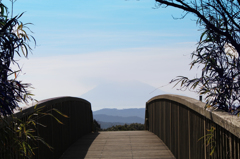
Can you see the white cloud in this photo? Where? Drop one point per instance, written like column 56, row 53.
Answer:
column 73, row 75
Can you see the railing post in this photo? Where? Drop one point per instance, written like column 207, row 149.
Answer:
column 146, row 118
column 205, row 145
column 178, row 137
column 189, row 136
column 170, row 133
column 200, row 98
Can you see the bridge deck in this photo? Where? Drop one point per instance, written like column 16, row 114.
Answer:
column 119, row 145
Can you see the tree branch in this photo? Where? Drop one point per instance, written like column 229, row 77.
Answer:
column 209, row 25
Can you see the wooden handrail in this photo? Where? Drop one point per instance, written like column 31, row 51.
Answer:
column 60, row 136
column 181, row 121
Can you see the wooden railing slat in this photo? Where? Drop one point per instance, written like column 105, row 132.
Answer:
column 181, row 121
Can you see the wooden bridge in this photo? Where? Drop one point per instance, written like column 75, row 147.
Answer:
column 174, row 124
column 119, row 145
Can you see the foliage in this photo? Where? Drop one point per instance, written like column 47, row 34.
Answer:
column 210, row 139
column 219, row 80
column 18, row 137
column 217, row 51
column 220, row 17
column 13, row 40
column 15, row 134
column 126, row 127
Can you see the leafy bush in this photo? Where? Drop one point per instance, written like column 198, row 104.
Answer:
column 126, row 127
column 217, row 51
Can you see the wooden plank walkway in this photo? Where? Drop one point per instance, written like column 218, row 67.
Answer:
column 119, row 145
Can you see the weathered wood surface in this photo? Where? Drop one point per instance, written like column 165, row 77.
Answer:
column 119, row 145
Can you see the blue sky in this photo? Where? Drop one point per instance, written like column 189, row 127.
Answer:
column 81, row 44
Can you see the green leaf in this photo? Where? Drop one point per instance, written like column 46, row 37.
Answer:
column 56, row 110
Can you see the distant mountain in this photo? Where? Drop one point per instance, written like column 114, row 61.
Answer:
column 130, row 94
column 139, row 112
column 108, row 118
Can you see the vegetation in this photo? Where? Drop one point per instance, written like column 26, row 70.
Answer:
column 126, row 127
column 217, row 50
column 18, row 137
column 14, row 40
column 210, row 139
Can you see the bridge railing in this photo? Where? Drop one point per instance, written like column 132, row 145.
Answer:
column 60, row 136
column 181, row 121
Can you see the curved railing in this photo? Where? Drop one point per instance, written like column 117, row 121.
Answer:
column 61, row 136
column 181, row 121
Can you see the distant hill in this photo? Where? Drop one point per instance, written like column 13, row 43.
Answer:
column 108, row 118
column 129, row 94
column 111, row 117
column 139, row 112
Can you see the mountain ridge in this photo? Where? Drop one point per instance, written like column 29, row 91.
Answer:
column 139, row 112
column 128, row 94
column 109, row 118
